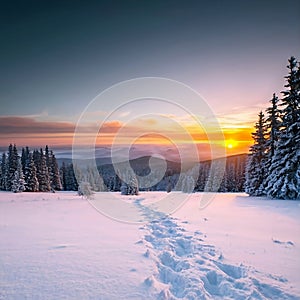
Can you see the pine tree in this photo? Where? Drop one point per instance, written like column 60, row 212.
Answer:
column 84, row 189
column 43, row 174
column 18, row 184
column 169, row 186
column 1, row 176
column 231, row 182
column 54, row 175
column 24, row 157
column 240, row 173
column 47, row 155
column 116, row 183
column 36, row 158
column 214, row 172
column 273, row 126
column 188, row 183
column 283, row 181
column 133, row 185
column 124, row 189
column 12, row 165
column 63, row 172
column 255, row 165
column 70, row 179
column 203, row 176
column 3, row 172
column 130, row 186
column 96, row 182
column 32, row 184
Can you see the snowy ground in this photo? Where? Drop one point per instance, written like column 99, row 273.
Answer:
column 57, row 246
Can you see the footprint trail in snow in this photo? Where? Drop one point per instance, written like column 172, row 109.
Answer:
column 189, row 268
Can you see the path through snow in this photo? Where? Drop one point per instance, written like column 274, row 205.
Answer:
column 189, row 268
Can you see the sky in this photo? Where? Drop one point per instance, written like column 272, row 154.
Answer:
column 57, row 56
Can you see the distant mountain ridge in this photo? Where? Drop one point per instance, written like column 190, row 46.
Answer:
column 232, row 181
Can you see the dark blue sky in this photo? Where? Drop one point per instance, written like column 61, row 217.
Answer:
column 55, row 56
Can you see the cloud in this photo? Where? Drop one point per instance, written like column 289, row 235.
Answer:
column 26, row 125
column 110, row 127
column 241, row 117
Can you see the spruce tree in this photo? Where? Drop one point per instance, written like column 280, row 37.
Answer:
column 36, row 158
column 1, row 177
column 188, row 183
column 63, row 172
column 3, row 172
column 133, row 185
column 95, row 180
column 71, row 181
column 255, row 176
column 124, row 189
column 283, row 181
column 47, row 155
column 273, row 125
column 84, row 189
column 130, row 185
column 231, row 177
column 24, row 157
column 18, row 184
column 43, row 174
column 12, row 166
column 32, row 184
column 54, row 175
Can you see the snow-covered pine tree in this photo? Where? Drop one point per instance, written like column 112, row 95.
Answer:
column 203, row 175
column 3, row 172
column 47, row 156
column 133, row 185
column 273, row 124
column 188, row 183
column 124, row 189
column 130, row 186
column 214, row 179
column 231, row 180
column 116, row 183
column 18, row 184
column 32, row 184
column 255, row 165
column 43, row 174
column 169, row 185
column 54, row 175
column 71, row 181
column 36, row 155
column 283, row 181
column 12, row 165
column 240, row 173
column 84, row 189
column 95, row 180
column 1, row 177
column 24, row 157
column 63, row 172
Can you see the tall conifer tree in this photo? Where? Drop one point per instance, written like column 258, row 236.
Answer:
column 283, row 181
column 255, row 166
column 32, row 184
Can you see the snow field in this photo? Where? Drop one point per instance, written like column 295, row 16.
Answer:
column 57, row 246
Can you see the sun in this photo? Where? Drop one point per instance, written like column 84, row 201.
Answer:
column 230, row 144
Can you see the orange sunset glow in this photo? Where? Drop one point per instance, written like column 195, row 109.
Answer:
column 28, row 131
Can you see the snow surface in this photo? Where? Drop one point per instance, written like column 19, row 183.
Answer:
column 57, row 246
